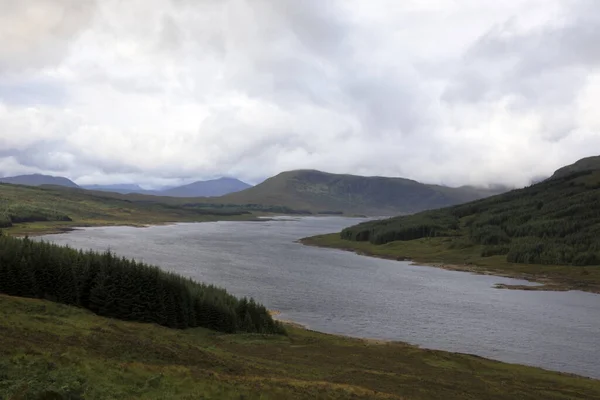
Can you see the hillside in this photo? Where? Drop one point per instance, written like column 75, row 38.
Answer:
column 30, row 209
column 555, row 223
column 318, row 191
column 119, row 188
column 585, row 164
column 39, row 180
column 54, row 351
column 124, row 289
column 210, row 188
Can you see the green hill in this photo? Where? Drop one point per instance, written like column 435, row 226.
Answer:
column 323, row 192
column 555, row 223
column 585, row 164
column 54, row 351
column 30, row 209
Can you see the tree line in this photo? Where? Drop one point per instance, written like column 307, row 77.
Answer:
column 556, row 221
column 125, row 289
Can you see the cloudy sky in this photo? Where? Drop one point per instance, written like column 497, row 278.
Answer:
column 158, row 91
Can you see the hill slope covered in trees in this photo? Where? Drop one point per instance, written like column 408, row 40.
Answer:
column 323, row 192
column 124, row 289
column 554, row 223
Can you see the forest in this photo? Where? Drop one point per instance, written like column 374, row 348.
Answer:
column 124, row 289
column 554, row 222
column 18, row 213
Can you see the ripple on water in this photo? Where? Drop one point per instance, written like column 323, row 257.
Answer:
column 340, row 292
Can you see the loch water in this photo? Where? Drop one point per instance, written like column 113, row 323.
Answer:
column 340, row 292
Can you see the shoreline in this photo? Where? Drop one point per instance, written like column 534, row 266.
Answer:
column 391, row 342
column 56, row 228
column 293, row 324
column 274, row 313
column 116, row 356
column 543, row 283
column 539, row 283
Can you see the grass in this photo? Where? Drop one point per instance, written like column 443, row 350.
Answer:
column 48, row 349
column 87, row 208
column 441, row 252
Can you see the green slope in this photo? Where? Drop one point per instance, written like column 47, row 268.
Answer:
column 548, row 231
column 29, row 209
column 585, row 164
column 318, row 191
column 53, row 351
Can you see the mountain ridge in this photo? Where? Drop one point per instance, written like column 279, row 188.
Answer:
column 39, row 180
column 581, row 185
column 548, row 232
column 207, row 188
column 307, row 190
column 352, row 194
column 582, row 165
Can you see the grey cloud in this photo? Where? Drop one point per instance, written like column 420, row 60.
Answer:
column 387, row 103
column 318, row 25
column 544, row 66
column 37, row 33
column 38, row 156
column 33, row 92
column 160, row 90
column 55, row 156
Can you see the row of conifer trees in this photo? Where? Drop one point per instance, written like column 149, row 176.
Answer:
column 554, row 222
column 124, row 289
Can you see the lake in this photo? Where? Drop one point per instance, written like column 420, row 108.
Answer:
column 340, row 292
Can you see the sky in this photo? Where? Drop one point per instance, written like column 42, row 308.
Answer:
column 160, row 92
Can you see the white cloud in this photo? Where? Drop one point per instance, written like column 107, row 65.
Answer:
column 455, row 92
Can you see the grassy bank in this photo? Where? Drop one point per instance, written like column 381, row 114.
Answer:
column 440, row 253
column 48, row 347
column 40, row 210
column 50, row 227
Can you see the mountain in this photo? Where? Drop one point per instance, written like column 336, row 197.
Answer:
column 554, row 222
column 210, row 188
column 325, row 192
column 585, row 164
column 38, row 180
column 125, row 188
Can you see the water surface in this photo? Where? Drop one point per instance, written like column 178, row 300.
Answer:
column 340, row 292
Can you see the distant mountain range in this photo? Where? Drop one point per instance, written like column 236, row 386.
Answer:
column 323, row 192
column 38, row 180
column 119, row 188
column 209, row 188
column 302, row 190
